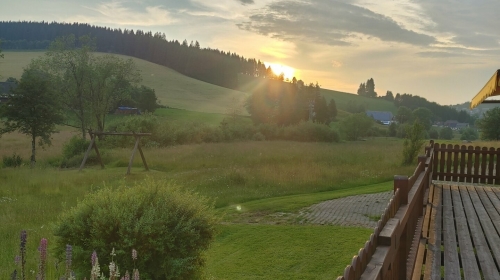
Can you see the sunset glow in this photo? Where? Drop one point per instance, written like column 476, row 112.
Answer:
column 288, row 71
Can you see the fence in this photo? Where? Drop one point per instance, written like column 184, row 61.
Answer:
column 390, row 251
column 466, row 164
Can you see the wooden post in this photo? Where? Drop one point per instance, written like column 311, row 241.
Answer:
column 401, row 183
column 97, row 151
column 92, row 141
column 133, row 154
column 142, row 155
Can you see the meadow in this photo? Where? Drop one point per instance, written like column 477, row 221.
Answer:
column 243, row 179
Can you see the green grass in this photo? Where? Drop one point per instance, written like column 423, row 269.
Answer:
column 191, row 116
column 283, row 252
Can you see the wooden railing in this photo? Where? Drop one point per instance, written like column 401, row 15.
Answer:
column 388, row 253
column 466, row 164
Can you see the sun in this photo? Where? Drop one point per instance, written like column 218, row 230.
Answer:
column 278, row 68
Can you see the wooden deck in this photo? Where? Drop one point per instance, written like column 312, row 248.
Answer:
column 460, row 234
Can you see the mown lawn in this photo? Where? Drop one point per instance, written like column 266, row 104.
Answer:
column 283, row 252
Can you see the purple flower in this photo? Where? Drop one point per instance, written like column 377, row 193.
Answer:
column 134, row 254
column 69, row 252
column 17, row 260
column 136, row 275
column 43, row 258
column 22, row 249
column 93, row 258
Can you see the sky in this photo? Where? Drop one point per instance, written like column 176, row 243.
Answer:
column 442, row 50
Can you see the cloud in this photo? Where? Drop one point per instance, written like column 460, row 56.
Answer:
column 116, row 13
column 246, row 2
column 471, row 24
column 336, row 64
column 334, row 23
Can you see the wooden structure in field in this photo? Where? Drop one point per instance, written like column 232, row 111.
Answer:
column 442, row 222
column 137, row 146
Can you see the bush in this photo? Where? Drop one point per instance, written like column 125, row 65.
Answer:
column 169, row 227
column 469, row 134
column 446, row 133
column 13, row 161
column 76, row 146
column 433, row 133
column 413, row 142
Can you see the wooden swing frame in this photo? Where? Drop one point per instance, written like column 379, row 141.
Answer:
column 137, row 146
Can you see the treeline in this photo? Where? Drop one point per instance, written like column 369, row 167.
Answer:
column 210, row 65
column 412, row 102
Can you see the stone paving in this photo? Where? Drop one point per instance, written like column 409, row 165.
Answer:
column 360, row 210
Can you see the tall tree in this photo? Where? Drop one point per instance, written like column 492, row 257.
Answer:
column 362, row 89
column 423, row 115
column 109, row 83
column 488, row 125
column 332, row 109
column 33, row 108
column 404, row 115
column 389, row 96
column 370, row 88
column 70, row 67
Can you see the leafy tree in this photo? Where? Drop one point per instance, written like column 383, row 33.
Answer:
column 424, row 116
column 414, row 140
column 404, row 115
column 362, row 89
column 446, row 133
column 389, row 96
column 469, row 134
column 33, row 109
column 70, row 67
column 370, row 88
column 321, row 109
column 90, row 85
column 356, row 126
column 392, row 131
column 144, row 98
column 332, row 109
column 433, row 133
column 488, row 125
column 110, row 81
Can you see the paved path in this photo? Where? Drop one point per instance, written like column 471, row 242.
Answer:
column 360, row 210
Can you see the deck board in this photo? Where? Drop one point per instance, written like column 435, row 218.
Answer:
column 469, row 262
column 468, row 219
column 451, row 263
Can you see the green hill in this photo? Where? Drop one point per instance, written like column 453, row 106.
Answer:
column 173, row 89
column 342, row 99
column 179, row 91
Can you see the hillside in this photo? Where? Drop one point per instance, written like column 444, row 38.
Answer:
column 172, row 88
column 342, row 99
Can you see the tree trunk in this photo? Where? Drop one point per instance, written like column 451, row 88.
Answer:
column 33, row 146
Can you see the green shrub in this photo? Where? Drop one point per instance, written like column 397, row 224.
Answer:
column 13, row 161
column 446, row 133
column 310, row 132
column 76, row 146
column 170, row 229
column 433, row 133
column 413, row 142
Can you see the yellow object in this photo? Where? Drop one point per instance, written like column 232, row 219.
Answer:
column 491, row 88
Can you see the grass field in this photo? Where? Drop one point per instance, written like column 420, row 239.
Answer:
column 173, row 89
column 260, row 177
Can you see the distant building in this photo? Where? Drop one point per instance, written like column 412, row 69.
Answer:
column 382, row 116
column 127, row 111
column 5, row 87
column 455, row 125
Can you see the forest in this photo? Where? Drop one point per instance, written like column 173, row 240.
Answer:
column 209, row 65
